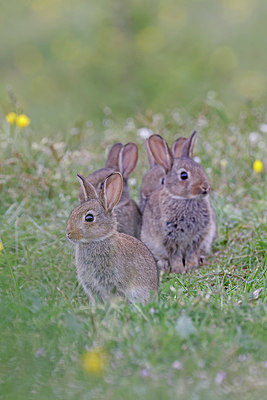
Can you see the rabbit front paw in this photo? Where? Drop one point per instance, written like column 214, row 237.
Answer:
column 163, row 266
column 177, row 267
column 202, row 259
column 191, row 262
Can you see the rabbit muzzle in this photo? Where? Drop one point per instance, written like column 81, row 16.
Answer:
column 200, row 189
column 205, row 188
column 73, row 234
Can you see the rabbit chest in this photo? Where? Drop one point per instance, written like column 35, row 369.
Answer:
column 96, row 268
column 185, row 221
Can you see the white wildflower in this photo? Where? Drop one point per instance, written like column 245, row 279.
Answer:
column 263, row 128
column 253, row 137
column 132, row 182
column 197, row 159
column 184, row 326
column 144, row 133
column 177, row 365
column 220, row 377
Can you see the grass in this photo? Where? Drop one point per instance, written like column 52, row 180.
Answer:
column 206, row 336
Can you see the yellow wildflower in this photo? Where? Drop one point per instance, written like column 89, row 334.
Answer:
column 23, row 121
column 94, row 361
column 258, row 166
column 11, row 117
column 223, row 162
column 1, row 247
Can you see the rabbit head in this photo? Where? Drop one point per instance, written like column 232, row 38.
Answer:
column 122, row 158
column 94, row 219
column 155, row 177
column 184, row 178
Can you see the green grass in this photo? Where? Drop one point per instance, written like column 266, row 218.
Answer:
column 204, row 339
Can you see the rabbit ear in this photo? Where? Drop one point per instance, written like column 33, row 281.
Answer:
column 113, row 156
column 160, row 151
column 128, row 159
column 111, row 191
column 88, row 191
column 177, row 147
column 150, row 157
column 187, row 149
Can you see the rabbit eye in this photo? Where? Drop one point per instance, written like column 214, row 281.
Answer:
column 89, row 218
column 101, row 185
column 184, row 175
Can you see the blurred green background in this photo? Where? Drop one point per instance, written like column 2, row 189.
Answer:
column 89, row 74
column 67, row 61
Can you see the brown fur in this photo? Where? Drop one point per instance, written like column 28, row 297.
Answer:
column 121, row 158
column 179, row 223
column 154, row 178
column 109, row 262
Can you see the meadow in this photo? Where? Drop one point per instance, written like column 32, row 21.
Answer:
column 87, row 77
column 204, row 338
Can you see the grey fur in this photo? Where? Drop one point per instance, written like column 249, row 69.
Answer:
column 128, row 214
column 110, row 263
column 154, row 178
column 179, row 224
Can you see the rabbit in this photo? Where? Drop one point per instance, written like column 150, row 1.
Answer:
column 121, row 158
column 154, row 178
column 179, row 224
column 107, row 261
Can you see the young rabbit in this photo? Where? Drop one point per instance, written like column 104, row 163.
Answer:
column 154, row 178
column 179, row 224
column 121, row 158
column 109, row 262
column 151, row 180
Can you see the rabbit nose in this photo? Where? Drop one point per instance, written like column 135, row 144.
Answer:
column 205, row 187
column 68, row 233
